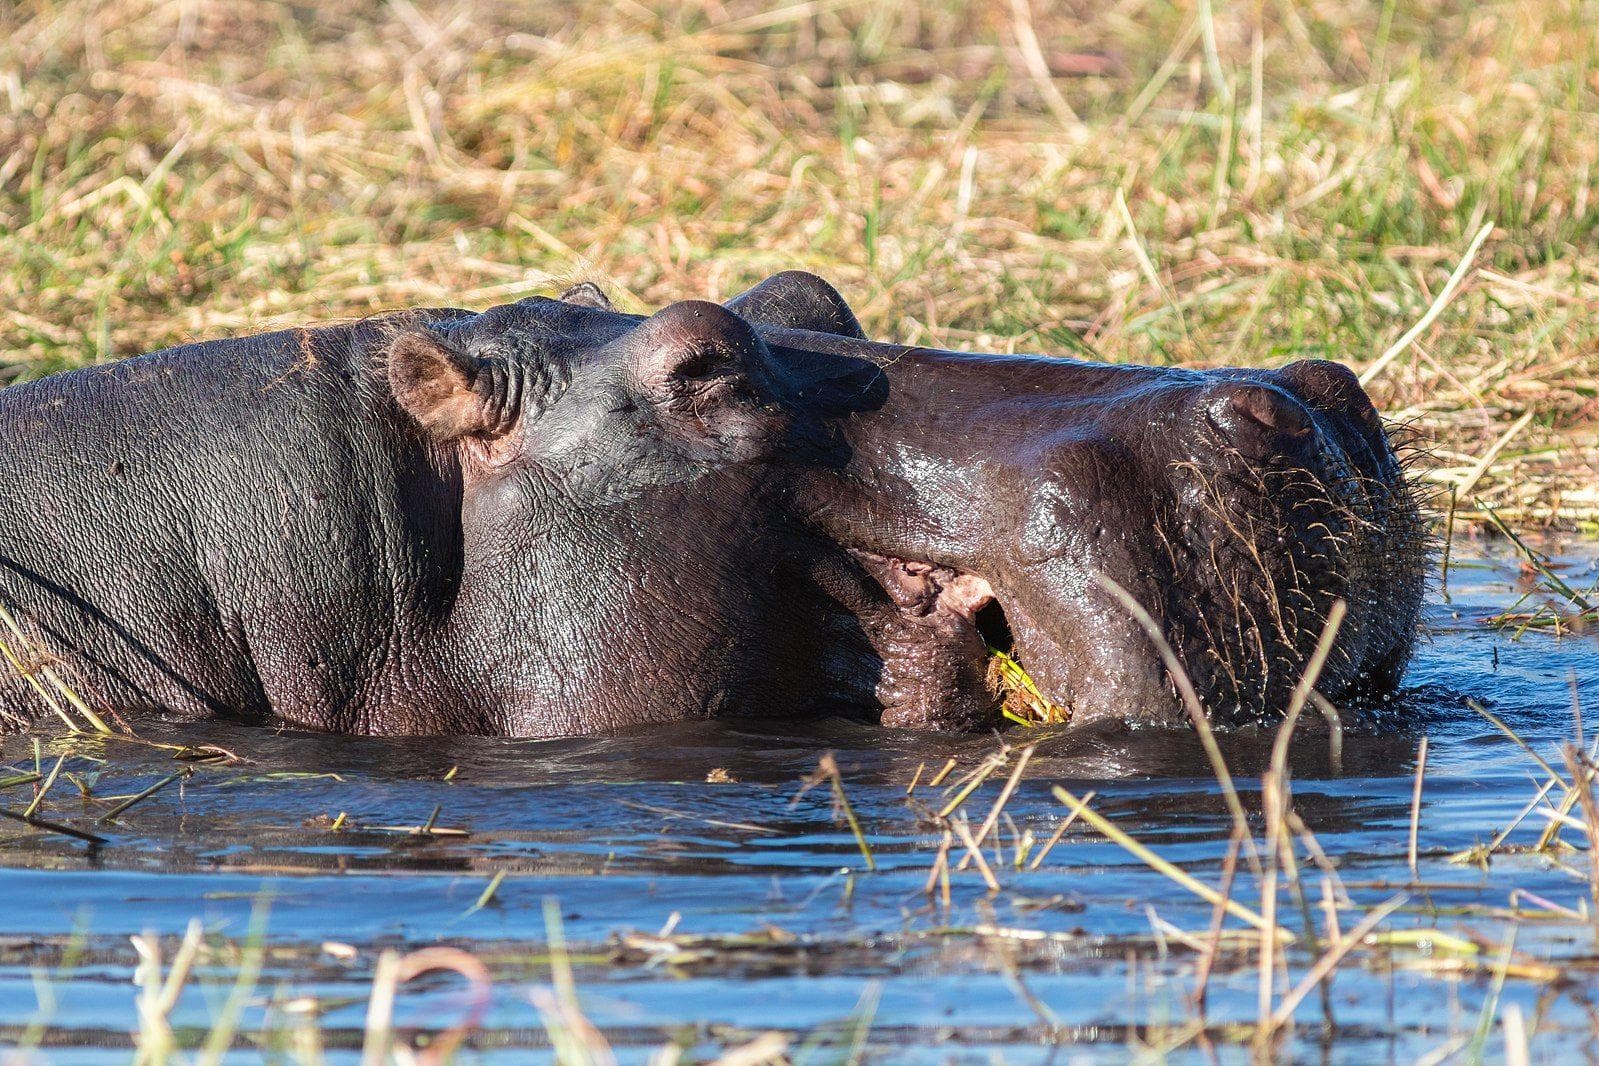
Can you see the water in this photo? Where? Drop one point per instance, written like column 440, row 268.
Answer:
column 774, row 922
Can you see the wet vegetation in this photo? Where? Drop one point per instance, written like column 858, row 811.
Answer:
column 1407, row 187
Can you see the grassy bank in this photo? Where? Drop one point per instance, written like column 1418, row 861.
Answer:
column 1228, row 183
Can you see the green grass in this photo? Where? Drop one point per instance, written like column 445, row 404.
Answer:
column 1302, row 181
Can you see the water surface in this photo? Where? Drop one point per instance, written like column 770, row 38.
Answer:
column 772, row 920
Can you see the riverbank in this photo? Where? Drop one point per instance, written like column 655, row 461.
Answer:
column 1221, row 184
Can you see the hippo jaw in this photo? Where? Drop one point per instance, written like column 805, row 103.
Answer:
column 1235, row 510
column 1241, row 616
column 990, row 494
column 937, row 651
column 930, row 639
column 936, row 644
column 945, row 624
column 1238, row 560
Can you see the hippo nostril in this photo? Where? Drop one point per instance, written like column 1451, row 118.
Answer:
column 1271, row 409
column 1330, row 386
column 1260, row 420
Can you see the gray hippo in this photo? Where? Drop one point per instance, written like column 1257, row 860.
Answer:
column 991, row 495
column 550, row 518
column 542, row 519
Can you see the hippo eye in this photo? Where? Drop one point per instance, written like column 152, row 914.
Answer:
column 703, row 363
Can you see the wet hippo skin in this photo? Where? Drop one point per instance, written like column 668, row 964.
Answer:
column 551, row 518
column 542, row 519
column 997, row 493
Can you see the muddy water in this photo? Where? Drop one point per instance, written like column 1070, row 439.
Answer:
column 775, row 922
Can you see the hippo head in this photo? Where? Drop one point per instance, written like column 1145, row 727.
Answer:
column 623, row 488
column 613, row 404
column 1018, row 501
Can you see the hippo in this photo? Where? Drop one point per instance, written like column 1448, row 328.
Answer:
column 1017, row 502
column 538, row 520
column 552, row 518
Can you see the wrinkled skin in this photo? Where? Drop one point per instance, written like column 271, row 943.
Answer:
column 550, row 518
column 993, row 496
column 543, row 519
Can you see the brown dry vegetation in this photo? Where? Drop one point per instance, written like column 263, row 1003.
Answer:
column 1300, row 180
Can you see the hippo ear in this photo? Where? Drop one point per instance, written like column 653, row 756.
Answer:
column 796, row 299
column 588, row 294
column 444, row 389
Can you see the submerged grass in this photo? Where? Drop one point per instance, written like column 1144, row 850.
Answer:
column 31, row 661
column 827, row 772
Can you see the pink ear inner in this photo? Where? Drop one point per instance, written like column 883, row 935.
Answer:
column 436, row 385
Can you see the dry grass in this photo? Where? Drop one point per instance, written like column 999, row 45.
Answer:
column 1273, row 182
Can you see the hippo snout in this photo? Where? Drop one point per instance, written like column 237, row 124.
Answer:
column 1236, row 506
column 1331, row 388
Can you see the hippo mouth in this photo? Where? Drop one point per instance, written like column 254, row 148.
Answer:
column 947, row 648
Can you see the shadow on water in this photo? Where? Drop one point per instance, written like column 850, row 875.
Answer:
column 703, row 828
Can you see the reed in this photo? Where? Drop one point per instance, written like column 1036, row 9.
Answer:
column 1165, row 183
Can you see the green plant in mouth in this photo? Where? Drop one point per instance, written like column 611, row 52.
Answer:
column 1023, row 702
